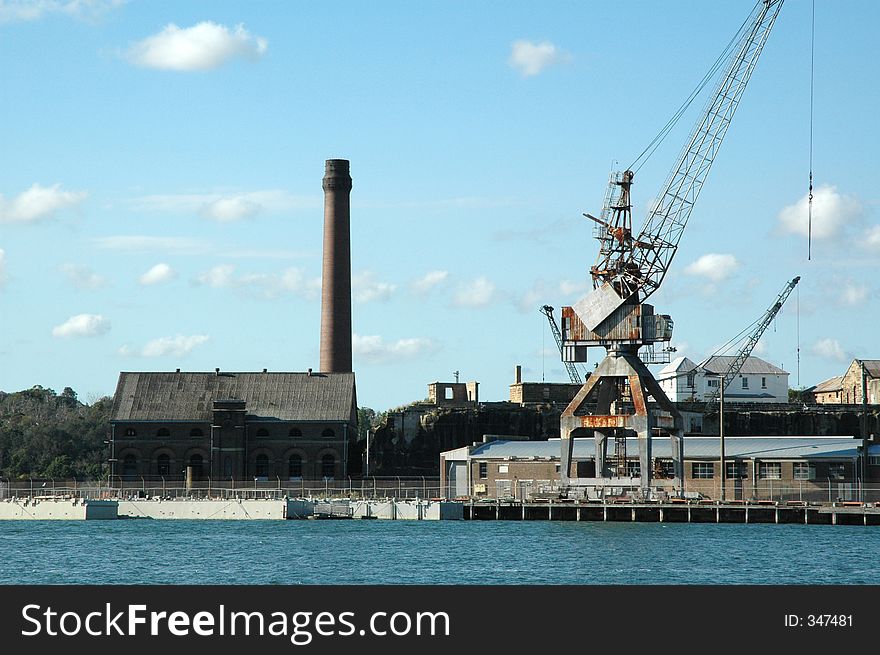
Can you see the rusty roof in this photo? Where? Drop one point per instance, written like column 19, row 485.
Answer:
column 271, row 396
column 831, row 384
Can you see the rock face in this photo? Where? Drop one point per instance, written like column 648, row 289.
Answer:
column 790, row 419
column 409, row 441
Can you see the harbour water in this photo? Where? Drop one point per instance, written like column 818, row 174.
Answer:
column 436, row 552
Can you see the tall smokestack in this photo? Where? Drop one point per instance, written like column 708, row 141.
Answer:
column 336, row 277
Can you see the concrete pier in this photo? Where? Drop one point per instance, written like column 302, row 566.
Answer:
column 673, row 512
column 57, row 509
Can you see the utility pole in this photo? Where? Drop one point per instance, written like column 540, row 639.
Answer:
column 721, row 435
column 864, row 467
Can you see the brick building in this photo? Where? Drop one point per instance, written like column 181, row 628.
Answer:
column 238, row 426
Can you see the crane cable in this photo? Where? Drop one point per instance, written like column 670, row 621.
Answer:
column 810, row 202
column 673, row 121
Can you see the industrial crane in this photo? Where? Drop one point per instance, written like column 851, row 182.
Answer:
column 573, row 374
column 757, row 330
column 629, row 269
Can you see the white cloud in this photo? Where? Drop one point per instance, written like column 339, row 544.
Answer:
column 159, row 273
column 268, row 285
column 37, row 203
column 227, row 205
column 83, row 277
column 479, row 293
column 713, row 266
column 3, row 277
column 542, row 293
column 833, row 213
column 872, row 237
column 429, row 280
column 179, row 245
column 27, row 10
column 853, row 294
column 530, row 58
column 203, row 46
column 365, row 288
column 373, row 348
column 829, row 349
column 178, row 346
column 218, row 277
column 82, row 325
column 229, row 209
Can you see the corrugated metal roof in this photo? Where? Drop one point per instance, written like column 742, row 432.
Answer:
column 694, row 448
column 872, row 366
column 752, row 366
column 190, row 396
column 831, row 384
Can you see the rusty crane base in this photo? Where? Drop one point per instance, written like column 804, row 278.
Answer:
column 621, row 370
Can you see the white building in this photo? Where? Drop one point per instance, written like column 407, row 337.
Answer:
column 758, row 381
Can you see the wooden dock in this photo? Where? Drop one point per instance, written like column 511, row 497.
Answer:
column 701, row 512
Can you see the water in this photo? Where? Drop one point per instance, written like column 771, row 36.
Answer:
column 428, row 552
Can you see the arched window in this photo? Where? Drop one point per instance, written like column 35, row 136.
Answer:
column 262, row 432
column 196, row 432
column 130, row 432
column 328, row 433
column 197, row 462
column 295, row 467
column 163, row 464
column 129, row 465
column 163, row 432
column 261, row 468
column 295, row 432
column 328, row 466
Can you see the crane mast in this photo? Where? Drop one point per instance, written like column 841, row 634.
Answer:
column 573, row 373
column 752, row 339
column 613, row 402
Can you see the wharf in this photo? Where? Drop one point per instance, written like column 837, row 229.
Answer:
column 702, row 512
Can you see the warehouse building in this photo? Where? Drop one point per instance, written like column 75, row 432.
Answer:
column 500, row 468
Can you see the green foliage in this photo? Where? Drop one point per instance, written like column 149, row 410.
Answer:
column 46, row 435
column 366, row 419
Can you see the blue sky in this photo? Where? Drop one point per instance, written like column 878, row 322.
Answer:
column 161, row 183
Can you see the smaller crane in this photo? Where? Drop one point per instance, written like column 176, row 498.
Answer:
column 751, row 340
column 573, row 374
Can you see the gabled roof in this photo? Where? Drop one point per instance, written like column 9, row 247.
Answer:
column 831, row 384
column 678, row 365
column 752, row 366
column 273, row 396
column 872, row 366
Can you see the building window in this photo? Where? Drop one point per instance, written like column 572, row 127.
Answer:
column 163, row 465
column 634, row 469
column 295, row 432
column 197, row 463
column 737, row 470
column 130, row 432
column 129, row 465
column 712, row 382
column 690, row 380
column 163, row 432
column 804, row 471
column 770, row 470
column 874, row 460
column 295, row 467
column 261, row 468
column 745, row 382
column 484, row 470
column 763, row 383
column 703, row 470
column 262, row 432
column 196, row 432
column 502, row 468
column 328, row 433
column 328, row 466
column 664, row 469
column 837, row 471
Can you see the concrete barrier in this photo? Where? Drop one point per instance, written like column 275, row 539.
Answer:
column 57, row 509
column 226, row 510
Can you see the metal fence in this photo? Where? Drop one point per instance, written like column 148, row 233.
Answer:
column 177, row 487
